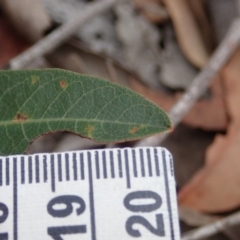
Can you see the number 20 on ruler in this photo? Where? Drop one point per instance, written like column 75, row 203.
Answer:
column 98, row 195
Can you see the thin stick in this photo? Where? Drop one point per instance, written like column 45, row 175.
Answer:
column 213, row 228
column 61, row 34
column 201, row 82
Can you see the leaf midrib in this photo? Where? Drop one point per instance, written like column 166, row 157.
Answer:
column 15, row 122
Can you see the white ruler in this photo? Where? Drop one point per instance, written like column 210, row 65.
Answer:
column 110, row 194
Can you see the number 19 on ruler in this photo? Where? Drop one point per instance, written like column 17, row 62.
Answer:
column 110, row 194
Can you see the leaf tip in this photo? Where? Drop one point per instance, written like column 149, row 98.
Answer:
column 171, row 128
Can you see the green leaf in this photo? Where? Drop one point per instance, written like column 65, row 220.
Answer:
column 35, row 102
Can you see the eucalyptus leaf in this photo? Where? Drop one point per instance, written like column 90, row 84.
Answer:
column 36, row 102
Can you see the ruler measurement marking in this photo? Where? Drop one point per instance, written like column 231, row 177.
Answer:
column 97, row 165
column 1, row 180
column 171, row 164
column 67, row 166
column 7, row 172
column 120, row 164
column 112, row 165
column 22, row 170
column 142, row 163
column 149, row 162
column 15, row 200
column 45, row 175
column 37, row 168
column 53, row 187
column 104, row 164
column 59, row 157
column 74, row 166
column 82, row 166
column 168, row 195
column 134, row 163
column 30, row 169
column 156, row 162
column 91, row 197
column 127, row 169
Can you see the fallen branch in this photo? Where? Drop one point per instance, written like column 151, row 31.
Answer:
column 61, row 34
column 201, row 82
column 213, row 228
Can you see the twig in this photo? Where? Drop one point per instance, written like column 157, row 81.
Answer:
column 201, row 82
column 212, row 228
column 57, row 37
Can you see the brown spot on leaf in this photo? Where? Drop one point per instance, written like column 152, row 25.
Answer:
column 134, row 130
column 35, row 79
column 20, row 117
column 89, row 129
column 63, row 84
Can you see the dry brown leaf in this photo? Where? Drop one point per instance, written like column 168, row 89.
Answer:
column 199, row 11
column 206, row 114
column 194, row 218
column 73, row 56
column 209, row 114
column 152, row 10
column 11, row 43
column 28, row 17
column 187, row 31
column 216, row 187
column 143, row 3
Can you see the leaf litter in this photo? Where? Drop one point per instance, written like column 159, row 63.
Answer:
column 216, row 187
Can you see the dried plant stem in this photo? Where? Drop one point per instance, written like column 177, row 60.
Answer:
column 213, row 228
column 61, row 34
column 201, row 82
